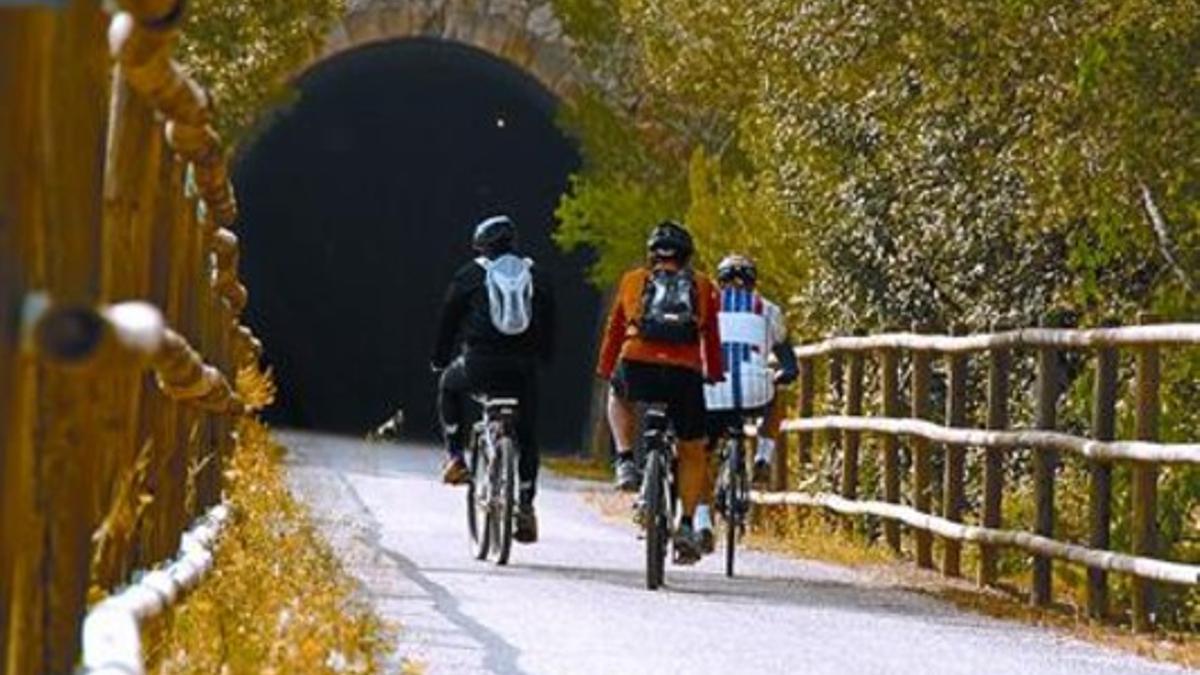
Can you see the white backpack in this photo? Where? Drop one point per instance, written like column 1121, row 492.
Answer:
column 510, row 292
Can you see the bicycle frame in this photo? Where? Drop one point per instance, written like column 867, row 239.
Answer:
column 499, row 421
column 735, row 435
column 658, row 440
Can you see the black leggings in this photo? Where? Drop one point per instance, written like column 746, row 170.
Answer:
column 495, row 376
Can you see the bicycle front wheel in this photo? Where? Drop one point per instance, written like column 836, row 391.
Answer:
column 506, row 497
column 656, row 519
column 479, row 515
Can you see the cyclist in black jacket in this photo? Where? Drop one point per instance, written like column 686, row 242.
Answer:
column 497, row 322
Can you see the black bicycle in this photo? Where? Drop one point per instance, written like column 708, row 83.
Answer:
column 659, row 494
column 732, row 499
column 491, row 492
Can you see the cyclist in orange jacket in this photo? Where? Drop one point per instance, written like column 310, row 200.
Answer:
column 661, row 345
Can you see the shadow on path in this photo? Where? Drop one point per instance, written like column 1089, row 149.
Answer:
column 499, row 656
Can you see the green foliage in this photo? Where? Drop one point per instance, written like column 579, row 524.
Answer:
column 620, row 194
column 928, row 162
column 244, row 52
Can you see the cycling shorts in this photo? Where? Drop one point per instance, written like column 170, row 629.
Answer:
column 680, row 388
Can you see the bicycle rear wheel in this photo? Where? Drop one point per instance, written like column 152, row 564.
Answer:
column 734, row 466
column 657, row 525
column 506, row 497
column 479, row 517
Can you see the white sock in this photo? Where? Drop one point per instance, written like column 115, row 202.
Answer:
column 766, row 450
column 702, row 519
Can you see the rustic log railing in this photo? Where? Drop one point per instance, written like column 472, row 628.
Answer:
column 945, row 520
column 120, row 340
column 133, row 335
column 112, row 643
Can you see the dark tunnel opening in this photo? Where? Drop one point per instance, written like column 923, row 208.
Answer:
column 358, row 201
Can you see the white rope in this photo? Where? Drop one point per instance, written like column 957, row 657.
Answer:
column 111, row 638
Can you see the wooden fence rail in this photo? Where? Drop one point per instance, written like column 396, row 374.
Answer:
column 132, row 335
column 958, row 444
column 1149, row 568
column 1160, row 335
column 1134, row 451
column 120, row 340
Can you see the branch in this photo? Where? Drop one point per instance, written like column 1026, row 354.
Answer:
column 1165, row 245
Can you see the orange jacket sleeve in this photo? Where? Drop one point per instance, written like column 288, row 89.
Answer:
column 614, row 335
column 710, row 336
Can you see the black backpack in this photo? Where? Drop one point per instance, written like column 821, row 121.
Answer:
column 669, row 307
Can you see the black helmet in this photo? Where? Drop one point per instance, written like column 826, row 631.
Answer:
column 736, row 266
column 670, row 240
column 494, row 235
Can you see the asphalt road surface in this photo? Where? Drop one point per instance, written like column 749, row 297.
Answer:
column 576, row 603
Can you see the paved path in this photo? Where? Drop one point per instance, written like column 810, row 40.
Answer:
column 575, row 602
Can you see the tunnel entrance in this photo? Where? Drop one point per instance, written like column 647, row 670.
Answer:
column 358, row 200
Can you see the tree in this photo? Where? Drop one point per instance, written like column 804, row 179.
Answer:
column 244, row 53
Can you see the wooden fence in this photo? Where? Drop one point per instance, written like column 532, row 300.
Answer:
column 846, row 359
column 117, row 272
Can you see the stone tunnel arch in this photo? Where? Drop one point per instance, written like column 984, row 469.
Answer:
column 525, row 34
column 512, row 41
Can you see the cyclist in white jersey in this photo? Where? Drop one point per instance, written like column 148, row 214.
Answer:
column 752, row 328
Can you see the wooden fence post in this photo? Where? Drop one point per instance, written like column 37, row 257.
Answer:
column 781, row 470
column 1145, row 479
column 191, row 326
column 851, row 439
column 993, row 458
column 161, row 413
column 134, row 153
column 955, row 465
column 72, row 125
column 136, row 208
column 202, row 317
column 780, row 478
column 1045, row 463
column 804, row 439
column 131, row 182
column 172, row 259
column 890, row 391
column 24, row 65
column 834, row 400
column 1104, row 418
column 922, row 462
